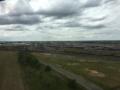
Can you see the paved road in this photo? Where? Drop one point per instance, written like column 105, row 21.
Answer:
column 79, row 79
column 11, row 72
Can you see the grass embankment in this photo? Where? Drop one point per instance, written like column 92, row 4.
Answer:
column 37, row 76
column 104, row 73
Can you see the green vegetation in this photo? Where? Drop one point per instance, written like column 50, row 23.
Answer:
column 37, row 76
column 48, row 69
column 94, row 68
column 73, row 84
column 26, row 59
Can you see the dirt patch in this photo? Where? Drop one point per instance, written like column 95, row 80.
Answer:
column 95, row 73
column 47, row 54
column 72, row 64
column 11, row 76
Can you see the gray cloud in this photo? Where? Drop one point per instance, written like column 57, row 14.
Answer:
column 21, row 13
column 72, row 24
column 98, row 19
column 22, row 7
column 79, row 19
column 22, row 19
column 78, row 25
column 94, row 27
column 108, row 1
column 63, row 8
column 92, row 3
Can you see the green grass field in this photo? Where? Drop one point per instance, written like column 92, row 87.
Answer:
column 29, row 74
column 101, row 70
column 40, row 77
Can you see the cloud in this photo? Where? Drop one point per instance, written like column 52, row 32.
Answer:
column 76, row 24
column 62, row 8
column 23, row 13
column 92, row 3
column 94, row 27
column 21, row 7
column 20, row 13
column 22, row 19
column 54, row 19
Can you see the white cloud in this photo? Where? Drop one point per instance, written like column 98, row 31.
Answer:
column 59, row 19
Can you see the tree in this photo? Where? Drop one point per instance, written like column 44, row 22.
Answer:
column 48, row 68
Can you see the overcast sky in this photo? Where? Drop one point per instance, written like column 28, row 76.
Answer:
column 51, row 20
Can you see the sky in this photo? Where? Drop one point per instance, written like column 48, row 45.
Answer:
column 59, row 20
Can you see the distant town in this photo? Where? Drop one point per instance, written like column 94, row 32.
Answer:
column 77, row 47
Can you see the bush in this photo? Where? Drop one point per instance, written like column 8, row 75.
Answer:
column 25, row 58
column 48, row 69
column 72, row 84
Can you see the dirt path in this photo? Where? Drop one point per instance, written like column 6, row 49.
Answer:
column 11, row 72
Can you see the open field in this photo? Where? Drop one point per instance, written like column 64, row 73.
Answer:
column 91, row 64
column 98, row 69
column 10, row 73
column 38, row 76
column 18, row 76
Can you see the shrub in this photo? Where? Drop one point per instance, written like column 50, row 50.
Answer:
column 72, row 84
column 48, row 68
column 25, row 58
